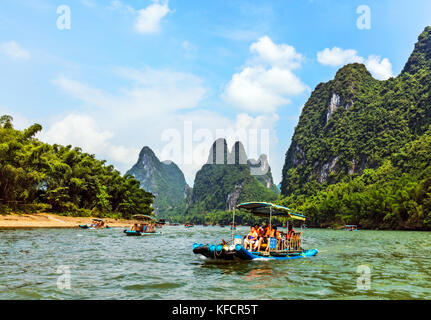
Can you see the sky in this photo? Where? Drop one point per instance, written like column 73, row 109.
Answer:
column 114, row 76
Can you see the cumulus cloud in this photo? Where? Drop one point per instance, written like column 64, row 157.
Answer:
column 267, row 81
column 14, row 51
column 83, row 131
column 338, row 57
column 148, row 20
column 154, row 109
column 150, row 92
column 281, row 55
column 381, row 69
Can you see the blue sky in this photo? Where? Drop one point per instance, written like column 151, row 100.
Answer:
column 134, row 73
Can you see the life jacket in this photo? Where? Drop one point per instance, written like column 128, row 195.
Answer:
column 254, row 235
column 260, row 232
column 290, row 233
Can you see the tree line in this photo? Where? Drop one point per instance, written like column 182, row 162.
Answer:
column 36, row 176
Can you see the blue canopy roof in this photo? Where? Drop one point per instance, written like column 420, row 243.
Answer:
column 265, row 209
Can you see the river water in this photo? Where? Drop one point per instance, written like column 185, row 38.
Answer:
column 106, row 264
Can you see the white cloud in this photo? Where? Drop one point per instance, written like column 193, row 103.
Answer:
column 381, row 70
column 14, row 50
column 115, row 125
column 148, row 20
column 83, row 131
column 267, row 81
column 336, row 57
column 150, row 92
column 281, row 55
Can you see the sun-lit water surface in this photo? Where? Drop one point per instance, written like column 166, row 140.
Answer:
column 106, row 264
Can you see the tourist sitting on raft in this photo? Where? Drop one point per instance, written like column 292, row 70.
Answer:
column 251, row 240
column 290, row 232
column 259, row 236
column 97, row 224
column 143, row 227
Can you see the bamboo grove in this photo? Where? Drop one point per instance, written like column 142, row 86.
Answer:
column 36, row 176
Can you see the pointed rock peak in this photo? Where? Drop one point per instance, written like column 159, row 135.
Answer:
column 352, row 72
column 238, row 154
column 218, row 153
column 146, row 151
column 421, row 55
column 260, row 166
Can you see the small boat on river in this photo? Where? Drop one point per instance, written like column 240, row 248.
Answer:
column 145, row 226
column 95, row 224
column 189, row 225
column 288, row 246
column 350, row 227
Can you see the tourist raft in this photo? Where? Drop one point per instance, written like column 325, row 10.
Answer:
column 281, row 249
column 95, row 224
column 146, row 226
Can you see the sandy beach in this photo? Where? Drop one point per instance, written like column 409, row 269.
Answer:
column 45, row 220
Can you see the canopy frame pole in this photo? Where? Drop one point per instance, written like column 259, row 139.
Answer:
column 287, row 233
column 233, row 223
column 270, row 219
column 302, row 233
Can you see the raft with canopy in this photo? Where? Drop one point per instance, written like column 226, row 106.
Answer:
column 276, row 249
column 146, row 226
column 350, row 227
column 94, row 223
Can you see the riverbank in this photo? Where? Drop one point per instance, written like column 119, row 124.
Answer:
column 47, row 220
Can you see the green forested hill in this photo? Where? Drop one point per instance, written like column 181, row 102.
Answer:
column 36, row 176
column 223, row 183
column 361, row 153
column 164, row 179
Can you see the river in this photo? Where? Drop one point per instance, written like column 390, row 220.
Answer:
column 106, row 264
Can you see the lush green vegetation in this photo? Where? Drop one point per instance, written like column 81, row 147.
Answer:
column 366, row 162
column 397, row 195
column 218, row 185
column 36, row 176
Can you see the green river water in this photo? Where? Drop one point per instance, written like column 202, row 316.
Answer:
column 106, row 264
